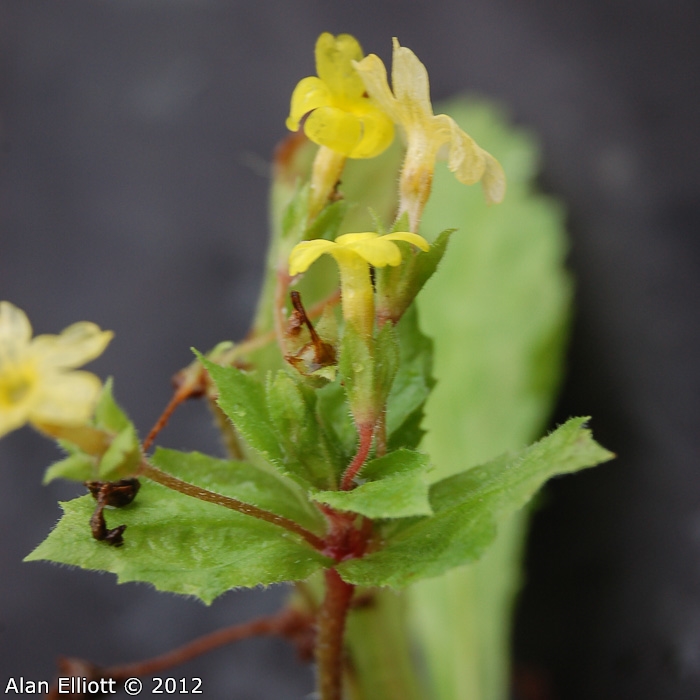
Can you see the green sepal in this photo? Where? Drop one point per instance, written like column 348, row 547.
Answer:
column 244, row 481
column 180, row 544
column 107, row 449
column 412, row 384
column 327, row 223
column 295, row 215
column 367, row 367
column 356, row 370
column 108, row 414
column 394, row 487
column 386, row 362
column 336, row 421
column 398, row 286
column 77, row 466
column 291, row 408
column 468, row 508
column 122, row 457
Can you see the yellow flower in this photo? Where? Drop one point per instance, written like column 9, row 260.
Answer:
column 36, row 381
column 427, row 134
column 340, row 115
column 354, row 253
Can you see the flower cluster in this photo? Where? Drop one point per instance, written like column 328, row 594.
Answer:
column 349, row 109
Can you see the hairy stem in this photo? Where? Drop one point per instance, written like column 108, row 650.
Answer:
column 331, row 628
column 285, row 624
column 366, row 431
column 171, row 482
column 289, row 623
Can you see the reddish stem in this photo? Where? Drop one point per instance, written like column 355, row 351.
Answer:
column 290, row 624
column 287, row 623
column 176, row 484
column 180, row 396
column 331, row 629
column 366, row 431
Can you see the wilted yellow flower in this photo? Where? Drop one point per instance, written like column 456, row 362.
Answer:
column 427, row 134
column 354, row 253
column 340, row 115
column 38, row 383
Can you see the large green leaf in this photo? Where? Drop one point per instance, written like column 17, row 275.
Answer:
column 468, row 508
column 181, row 544
column 497, row 310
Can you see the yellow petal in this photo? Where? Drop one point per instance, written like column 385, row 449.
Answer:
column 65, row 398
column 334, row 128
column 15, row 331
column 75, row 346
column 378, row 251
column 409, row 79
column 350, row 238
column 306, row 253
column 309, row 94
column 465, row 159
column 334, row 57
column 493, row 181
column 373, row 73
column 13, row 418
column 377, row 134
column 18, row 382
column 409, row 237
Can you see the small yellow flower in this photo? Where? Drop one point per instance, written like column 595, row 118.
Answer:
column 340, row 115
column 36, row 381
column 354, row 253
column 427, row 134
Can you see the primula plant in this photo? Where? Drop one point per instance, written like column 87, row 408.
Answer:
column 393, row 503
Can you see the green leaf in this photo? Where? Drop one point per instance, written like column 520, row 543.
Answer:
column 412, row 384
column 292, row 412
column 468, row 508
column 180, row 544
column 246, row 482
column 395, row 487
column 242, row 398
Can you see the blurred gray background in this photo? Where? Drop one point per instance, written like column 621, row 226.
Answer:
column 135, row 139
